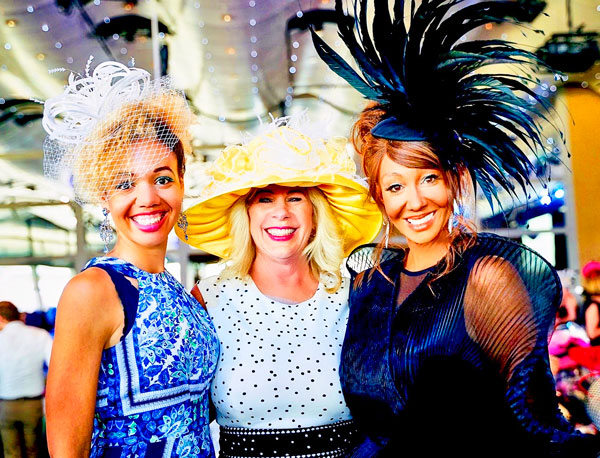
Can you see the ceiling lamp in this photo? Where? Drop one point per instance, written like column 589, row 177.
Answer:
column 20, row 111
column 66, row 6
column 129, row 26
column 573, row 52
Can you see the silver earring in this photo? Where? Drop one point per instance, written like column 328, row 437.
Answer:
column 182, row 223
column 386, row 223
column 106, row 231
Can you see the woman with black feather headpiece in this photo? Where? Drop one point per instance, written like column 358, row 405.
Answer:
column 447, row 344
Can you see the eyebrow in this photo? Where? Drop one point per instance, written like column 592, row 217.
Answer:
column 392, row 175
column 160, row 169
column 120, row 175
column 268, row 191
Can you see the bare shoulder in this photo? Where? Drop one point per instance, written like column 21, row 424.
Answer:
column 85, row 295
column 91, row 285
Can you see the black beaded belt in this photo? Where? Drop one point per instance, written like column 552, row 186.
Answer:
column 327, row 441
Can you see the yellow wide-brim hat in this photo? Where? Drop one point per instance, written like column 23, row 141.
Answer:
column 282, row 155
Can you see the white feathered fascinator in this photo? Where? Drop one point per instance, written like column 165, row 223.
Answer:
column 92, row 125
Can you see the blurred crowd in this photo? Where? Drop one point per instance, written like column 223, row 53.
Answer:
column 25, row 346
column 575, row 348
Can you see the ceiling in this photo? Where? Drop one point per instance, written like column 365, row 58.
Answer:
column 237, row 61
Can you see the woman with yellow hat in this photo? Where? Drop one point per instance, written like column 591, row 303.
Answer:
column 283, row 210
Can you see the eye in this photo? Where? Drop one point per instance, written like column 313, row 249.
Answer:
column 264, row 200
column 396, row 187
column 163, row 180
column 431, row 178
column 124, row 185
column 295, row 198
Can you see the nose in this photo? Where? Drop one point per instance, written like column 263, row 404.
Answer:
column 146, row 194
column 414, row 198
column 281, row 209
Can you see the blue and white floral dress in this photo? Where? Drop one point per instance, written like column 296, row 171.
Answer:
column 153, row 386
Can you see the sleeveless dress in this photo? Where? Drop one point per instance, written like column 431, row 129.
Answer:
column 153, row 397
column 277, row 389
column 460, row 366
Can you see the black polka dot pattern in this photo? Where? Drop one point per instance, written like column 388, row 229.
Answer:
column 278, row 366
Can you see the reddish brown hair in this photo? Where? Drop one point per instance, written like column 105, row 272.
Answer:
column 9, row 311
column 412, row 154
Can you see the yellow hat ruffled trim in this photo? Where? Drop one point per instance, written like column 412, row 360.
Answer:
column 283, row 156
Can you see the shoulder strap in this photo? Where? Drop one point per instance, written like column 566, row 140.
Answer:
column 128, row 294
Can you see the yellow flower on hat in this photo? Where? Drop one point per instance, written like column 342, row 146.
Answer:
column 233, row 161
column 337, row 154
column 269, row 148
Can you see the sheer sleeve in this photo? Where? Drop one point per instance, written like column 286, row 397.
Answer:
column 510, row 304
column 498, row 313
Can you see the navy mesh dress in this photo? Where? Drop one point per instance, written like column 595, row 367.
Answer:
column 460, row 367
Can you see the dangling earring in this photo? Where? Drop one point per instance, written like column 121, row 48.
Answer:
column 386, row 223
column 182, row 223
column 106, row 231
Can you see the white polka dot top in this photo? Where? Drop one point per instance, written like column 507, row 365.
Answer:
column 278, row 366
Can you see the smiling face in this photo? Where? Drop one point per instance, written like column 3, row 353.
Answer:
column 146, row 204
column 281, row 222
column 416, row 202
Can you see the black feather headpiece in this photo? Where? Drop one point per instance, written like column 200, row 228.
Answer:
column 429, row 80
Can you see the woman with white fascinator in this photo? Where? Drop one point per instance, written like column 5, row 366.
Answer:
column 134, row 353
column 282, row 209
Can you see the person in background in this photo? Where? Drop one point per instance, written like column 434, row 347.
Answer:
column 591, row 300
column 134, row 352
column 446, row 351
column 282, row 210
column 24, row 357
column 568, row 372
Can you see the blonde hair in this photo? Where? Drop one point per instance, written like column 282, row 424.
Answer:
column 164, row 119
column 413, row 154
column 324, row 251
column 591, row 285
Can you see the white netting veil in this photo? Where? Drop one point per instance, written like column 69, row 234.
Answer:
column 111, row 126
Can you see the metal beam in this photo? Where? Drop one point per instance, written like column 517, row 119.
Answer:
column 22, row 155
column 60, row 261
column 13, row 205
